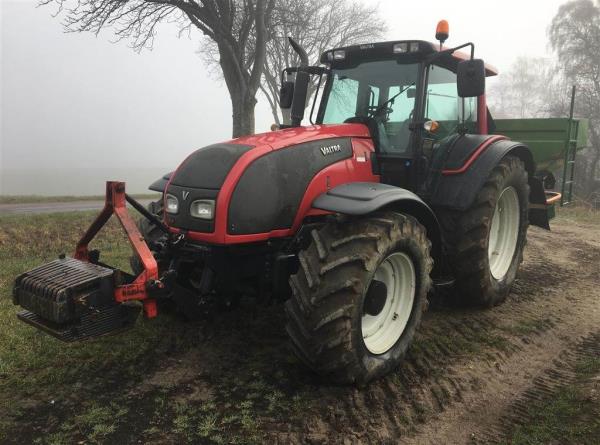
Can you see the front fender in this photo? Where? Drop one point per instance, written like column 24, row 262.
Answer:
column 160, row 184
column 363, row 198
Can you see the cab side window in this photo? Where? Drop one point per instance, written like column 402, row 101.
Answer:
column 343, row 99
column 443, row 105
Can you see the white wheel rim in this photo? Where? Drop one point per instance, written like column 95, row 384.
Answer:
column 382, row 331
column 504, row 233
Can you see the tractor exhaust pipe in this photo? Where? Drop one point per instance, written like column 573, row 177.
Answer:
column 301, row 85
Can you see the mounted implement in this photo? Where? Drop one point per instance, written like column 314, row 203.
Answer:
column 78, row 298
column 400, row 186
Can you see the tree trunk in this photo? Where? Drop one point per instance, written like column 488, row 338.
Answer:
column 242, row 113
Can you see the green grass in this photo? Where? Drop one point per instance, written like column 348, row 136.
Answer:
column 571, row 416
column 529, row 326
column 35, row 199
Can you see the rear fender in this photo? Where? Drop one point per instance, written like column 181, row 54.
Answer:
column 363, row 198
column 456, row 185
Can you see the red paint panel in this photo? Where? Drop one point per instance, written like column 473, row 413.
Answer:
column 298, row 135
column 474, row 156
column 482, row 120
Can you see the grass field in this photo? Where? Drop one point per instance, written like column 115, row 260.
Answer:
column 89, row 392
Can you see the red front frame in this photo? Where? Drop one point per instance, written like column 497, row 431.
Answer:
column 116, row 204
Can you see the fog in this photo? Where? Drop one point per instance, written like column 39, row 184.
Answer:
column 77, row 110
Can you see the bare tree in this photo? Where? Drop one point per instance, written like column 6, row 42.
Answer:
column 575, row 37
column 533, row 87
column 317, row 25
column 238, row 29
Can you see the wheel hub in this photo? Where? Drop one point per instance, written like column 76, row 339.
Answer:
column 375, row 299
column 388, row 303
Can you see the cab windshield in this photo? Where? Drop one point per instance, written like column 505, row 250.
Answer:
column 383, row 90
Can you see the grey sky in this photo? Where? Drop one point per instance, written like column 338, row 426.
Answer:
column 78, row 101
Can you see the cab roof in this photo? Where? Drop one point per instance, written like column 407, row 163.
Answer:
column 415, row 51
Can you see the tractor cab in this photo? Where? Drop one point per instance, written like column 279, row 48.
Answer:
column 411, row 94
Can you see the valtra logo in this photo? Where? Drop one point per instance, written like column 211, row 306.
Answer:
column 331, row 149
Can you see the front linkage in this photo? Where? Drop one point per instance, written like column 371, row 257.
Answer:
column 80, row 297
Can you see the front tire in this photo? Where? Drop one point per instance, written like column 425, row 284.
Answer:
column 358, row 296
column 486, row 241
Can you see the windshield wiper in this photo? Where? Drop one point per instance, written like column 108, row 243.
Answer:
column 391, row 100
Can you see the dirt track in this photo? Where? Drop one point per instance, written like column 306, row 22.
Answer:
column 464, row 373
column 466, row 379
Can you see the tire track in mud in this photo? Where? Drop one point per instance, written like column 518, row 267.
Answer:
column 458, row 355
column 555, row 302
column 436, row 372
column 543, row 388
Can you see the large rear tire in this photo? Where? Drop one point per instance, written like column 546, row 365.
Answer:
column 486, row 241
column 358, row 296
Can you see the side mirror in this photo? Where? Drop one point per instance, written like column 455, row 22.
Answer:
column 299, row 99
column 471, row 78
column 411, row 93
column 286, row 94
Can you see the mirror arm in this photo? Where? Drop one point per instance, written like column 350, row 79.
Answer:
column 449, row 51
column 313, row 70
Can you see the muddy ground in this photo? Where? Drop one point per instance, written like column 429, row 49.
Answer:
column 469, row 378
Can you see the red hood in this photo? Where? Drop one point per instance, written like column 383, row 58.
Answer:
column 292, row 136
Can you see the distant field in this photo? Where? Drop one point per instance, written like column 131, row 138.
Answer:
column 33, row 199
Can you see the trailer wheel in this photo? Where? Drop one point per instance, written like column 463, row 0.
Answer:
column 487, row 240
column 149, row 231
column 358, row 296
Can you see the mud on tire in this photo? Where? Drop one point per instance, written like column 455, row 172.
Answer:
column 325, row 311
column 467, row 234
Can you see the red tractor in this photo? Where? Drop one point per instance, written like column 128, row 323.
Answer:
column 398, row 187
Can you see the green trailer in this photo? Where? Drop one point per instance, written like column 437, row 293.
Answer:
column 554, row 143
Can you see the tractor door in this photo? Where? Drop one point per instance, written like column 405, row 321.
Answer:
column 450, row 114
column 384, row 93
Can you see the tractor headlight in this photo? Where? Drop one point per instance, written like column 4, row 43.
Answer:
column 172, row 204
column 339, row 55
column 401, row 48
column 203, row 209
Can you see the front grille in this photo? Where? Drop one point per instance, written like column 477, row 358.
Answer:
column 60, row 291
column 184, row 220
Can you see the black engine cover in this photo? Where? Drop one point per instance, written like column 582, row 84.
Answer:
column 208, row 167
column 268, row 194
column 200, row 177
